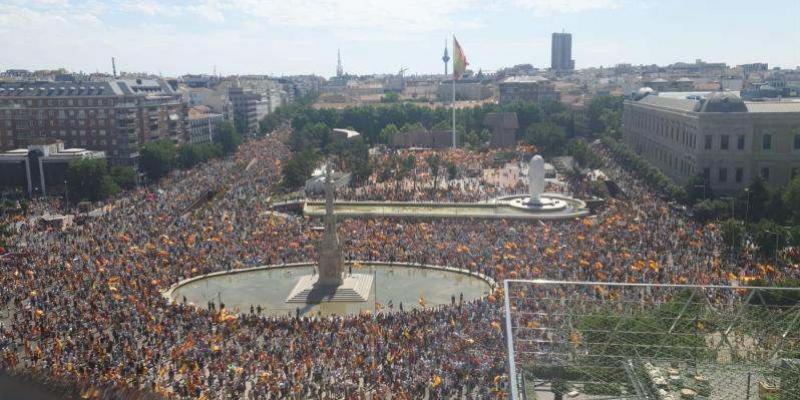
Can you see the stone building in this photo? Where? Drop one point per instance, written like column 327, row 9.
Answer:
column 468, row 89
column 533, row 89
column 115, row 116
column 504, row 127
column 727, row 141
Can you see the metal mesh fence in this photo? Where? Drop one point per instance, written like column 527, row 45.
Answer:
column 589, row 340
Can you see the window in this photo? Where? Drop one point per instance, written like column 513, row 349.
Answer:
column 708, row 142
column 765, row 173
column 739, row 175
column 797, row 141
column 766, row 142
column 795, row 172
column 723, row 142
column 706, row 174
column 723, row 175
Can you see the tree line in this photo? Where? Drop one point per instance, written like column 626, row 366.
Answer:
column 553, row 127
column 92, row 179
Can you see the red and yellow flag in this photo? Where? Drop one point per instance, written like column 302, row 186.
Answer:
column 459, row 60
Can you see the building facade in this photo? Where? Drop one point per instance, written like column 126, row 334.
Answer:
column 40, row 168
column 202, row 125
column 721, row 138
column 466, row 89
column 115, row 117
column 245, row 108
column 504, row 127
column 561, row 52
column 527, row 89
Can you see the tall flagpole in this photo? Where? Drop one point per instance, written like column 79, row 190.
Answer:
column 454, row 93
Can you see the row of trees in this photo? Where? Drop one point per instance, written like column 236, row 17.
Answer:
column 553, row 128
column 652, row 176
column 93, row 180
column 159, row 157
column 553, row 122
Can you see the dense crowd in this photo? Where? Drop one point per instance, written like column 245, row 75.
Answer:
column 84, row 303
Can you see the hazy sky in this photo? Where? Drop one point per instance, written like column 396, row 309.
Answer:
column 377, row 36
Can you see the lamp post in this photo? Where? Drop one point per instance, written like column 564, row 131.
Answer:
column 747, row 207
column 704, row 190
column 733, row 236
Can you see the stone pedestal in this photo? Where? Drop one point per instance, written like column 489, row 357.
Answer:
column 353, row 288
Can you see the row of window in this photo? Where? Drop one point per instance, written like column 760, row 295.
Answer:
column 724, row 142
column 52, row 123
column 722, row 174
column 57, row 102
column 766, row 142
column 678, row 132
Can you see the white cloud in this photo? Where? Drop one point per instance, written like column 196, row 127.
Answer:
column 547, row 7
column 142, row 6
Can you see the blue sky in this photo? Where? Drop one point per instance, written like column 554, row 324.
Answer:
column 380, row 36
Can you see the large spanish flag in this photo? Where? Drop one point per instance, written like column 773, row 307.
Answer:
column 459, row 60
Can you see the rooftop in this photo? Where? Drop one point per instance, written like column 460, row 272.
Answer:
column 525, row 79
column 85, row 89
column 717, row 102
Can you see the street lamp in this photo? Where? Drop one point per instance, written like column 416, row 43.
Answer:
column 747, row 209
column 733, row 237
column 704, row 190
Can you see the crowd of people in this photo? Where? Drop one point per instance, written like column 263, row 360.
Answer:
column 84, row 304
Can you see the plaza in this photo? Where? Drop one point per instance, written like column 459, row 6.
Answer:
column 413, row 286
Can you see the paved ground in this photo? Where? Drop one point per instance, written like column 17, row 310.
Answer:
column 14, row 389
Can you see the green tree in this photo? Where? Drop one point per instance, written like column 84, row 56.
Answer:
column 387, row 133
column 791, row 198
column 732, row 233
column 697, row 189
column 767, row 235
column 390, row 97
column 549, row 138
column 604, row 115
column 190, row 155
column 157, row 158
column 759, row 198
column 452, row 171
column 707, row 210
column 299, row 168
column 434, row 163
column 124, row 177
column 88, row 179
column 228, row 138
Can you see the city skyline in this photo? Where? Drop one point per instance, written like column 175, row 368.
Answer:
column 270, row 37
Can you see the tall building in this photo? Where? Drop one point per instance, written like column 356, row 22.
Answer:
column 561, row 52
column 202, row 124
column 245, row 108
column 727, row 141
column 115, row 116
